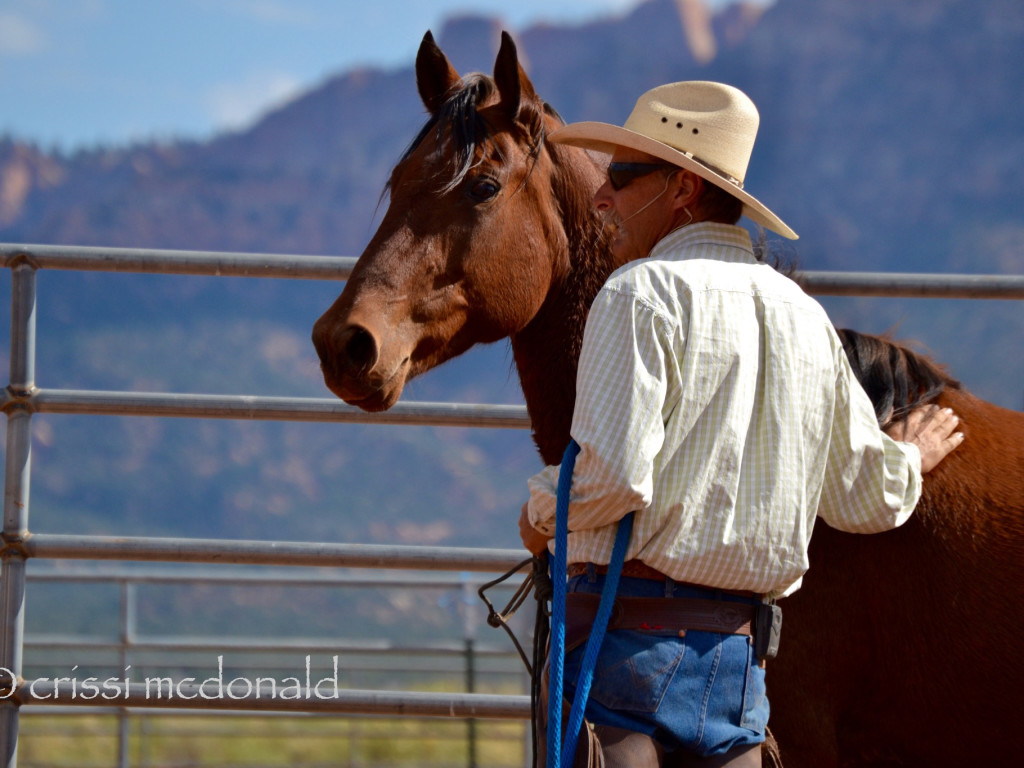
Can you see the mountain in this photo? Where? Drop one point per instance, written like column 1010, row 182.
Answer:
column 890, row 140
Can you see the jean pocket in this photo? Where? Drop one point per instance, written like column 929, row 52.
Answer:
column 755, row 710
column 634, row 670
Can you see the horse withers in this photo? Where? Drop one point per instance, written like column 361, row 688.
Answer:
column 899, row 649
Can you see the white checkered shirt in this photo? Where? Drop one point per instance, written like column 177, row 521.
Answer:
column 714, row 398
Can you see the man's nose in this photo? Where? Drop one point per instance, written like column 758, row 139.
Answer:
column 603, row 197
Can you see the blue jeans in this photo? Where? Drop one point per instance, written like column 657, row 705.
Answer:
column 703, row 693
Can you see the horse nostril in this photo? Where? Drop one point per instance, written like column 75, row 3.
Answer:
column 357, row 348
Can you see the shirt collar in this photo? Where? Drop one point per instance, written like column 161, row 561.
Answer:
column 732, row 243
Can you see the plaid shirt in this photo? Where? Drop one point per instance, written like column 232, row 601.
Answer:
column 715, row 398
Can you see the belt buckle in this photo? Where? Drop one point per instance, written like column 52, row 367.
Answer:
column 728, row 615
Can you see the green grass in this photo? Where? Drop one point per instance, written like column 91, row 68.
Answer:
column 176, row 741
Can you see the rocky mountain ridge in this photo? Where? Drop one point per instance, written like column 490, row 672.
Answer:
column 891, row 139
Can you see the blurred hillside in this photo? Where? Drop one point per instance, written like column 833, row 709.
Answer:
column 891, row 139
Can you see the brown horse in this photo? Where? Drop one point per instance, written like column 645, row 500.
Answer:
column 897, row 649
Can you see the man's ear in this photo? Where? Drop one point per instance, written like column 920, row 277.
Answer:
column 687, row 189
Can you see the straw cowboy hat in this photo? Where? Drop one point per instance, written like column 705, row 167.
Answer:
column 706, row 128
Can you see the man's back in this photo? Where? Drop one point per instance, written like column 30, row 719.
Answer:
column 749, row 365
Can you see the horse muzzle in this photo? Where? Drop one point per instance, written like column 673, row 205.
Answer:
column 354, row 368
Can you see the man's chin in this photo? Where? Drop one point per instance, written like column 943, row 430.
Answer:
column 617, row 241
column 622, row 249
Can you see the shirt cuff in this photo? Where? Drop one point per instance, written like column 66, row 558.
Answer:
column 913, row 481
column 913, row 454
column 543, row 496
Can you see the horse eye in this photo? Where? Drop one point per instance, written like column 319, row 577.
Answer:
column 483, row 189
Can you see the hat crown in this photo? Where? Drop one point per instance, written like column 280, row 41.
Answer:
column 713, row 123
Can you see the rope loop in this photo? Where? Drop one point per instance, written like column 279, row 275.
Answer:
column 557, row 755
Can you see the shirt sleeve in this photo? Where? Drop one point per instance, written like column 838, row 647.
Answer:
column 872, row 482
column 618, row 419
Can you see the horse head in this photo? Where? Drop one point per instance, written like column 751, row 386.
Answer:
column 473, row 239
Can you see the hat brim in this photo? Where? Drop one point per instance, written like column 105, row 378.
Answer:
column 606, row 138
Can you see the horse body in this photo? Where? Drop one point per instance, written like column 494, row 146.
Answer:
column 897, row 649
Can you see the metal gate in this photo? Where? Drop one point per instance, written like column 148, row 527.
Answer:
column 23, row 398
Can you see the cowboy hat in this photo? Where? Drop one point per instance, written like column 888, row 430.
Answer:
column 706, row 128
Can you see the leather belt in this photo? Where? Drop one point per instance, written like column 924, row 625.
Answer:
column 638, row 569
column 657, row 614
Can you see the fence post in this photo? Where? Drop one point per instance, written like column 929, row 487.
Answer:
column 16, row 496
column 127, row 638
column 469, row 604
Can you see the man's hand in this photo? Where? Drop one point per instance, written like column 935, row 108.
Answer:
column 533, row 540
column 930, row 428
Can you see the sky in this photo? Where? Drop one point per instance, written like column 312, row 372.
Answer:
column 84, row 73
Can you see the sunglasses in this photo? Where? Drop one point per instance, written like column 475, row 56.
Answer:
column 623, row 174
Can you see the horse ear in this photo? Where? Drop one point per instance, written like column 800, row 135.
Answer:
column 435, row 76
column 513, row 84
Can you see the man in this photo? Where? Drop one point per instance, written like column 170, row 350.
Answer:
column 714, row 399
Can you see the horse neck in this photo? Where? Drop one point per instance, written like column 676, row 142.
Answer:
column 547, row 351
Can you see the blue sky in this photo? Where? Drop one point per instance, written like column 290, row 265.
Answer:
column 78, row 73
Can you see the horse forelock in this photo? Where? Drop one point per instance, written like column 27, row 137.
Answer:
column 460, row 125
column 896, row 379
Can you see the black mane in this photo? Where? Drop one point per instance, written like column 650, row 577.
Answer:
column 896, row 379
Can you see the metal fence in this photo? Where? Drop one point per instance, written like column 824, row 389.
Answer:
column 22, row 399
column 161, row 659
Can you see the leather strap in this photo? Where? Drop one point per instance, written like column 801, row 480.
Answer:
column 657, row 614
column 638, row 569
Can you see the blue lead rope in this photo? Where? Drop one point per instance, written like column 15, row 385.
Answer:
column 556, row 756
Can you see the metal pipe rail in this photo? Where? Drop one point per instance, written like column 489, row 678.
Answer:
column 439, row 648
column 57, row 546
column 263, row 576
column 907, row 285
column 172, row 262
column 249, row 407
column 227, row 264
column 45, row 691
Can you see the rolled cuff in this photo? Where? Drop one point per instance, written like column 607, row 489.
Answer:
column 543, row 492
